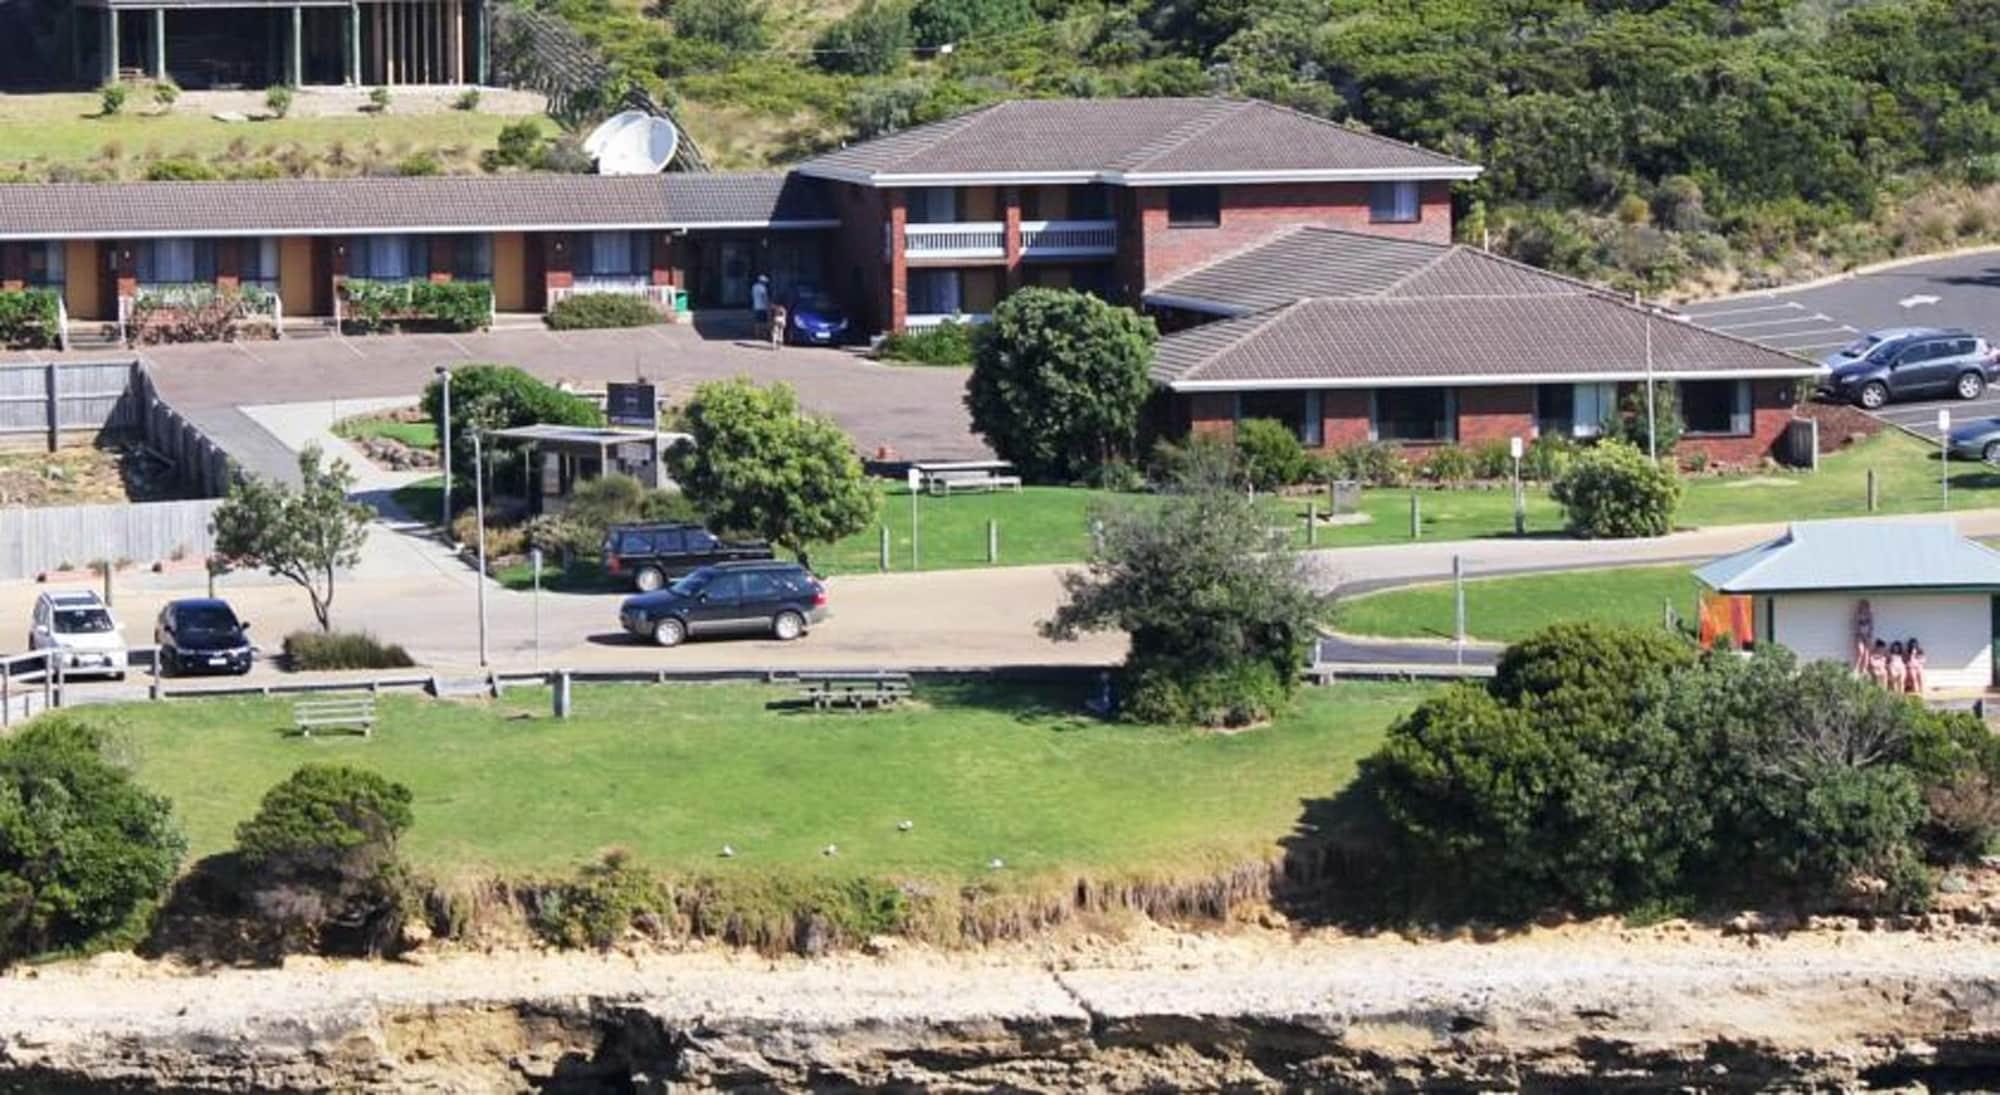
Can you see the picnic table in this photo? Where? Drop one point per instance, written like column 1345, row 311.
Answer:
column 855, row 690
column 943, row 478
column 356, row 712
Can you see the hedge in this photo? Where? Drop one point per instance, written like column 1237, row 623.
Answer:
column 591, row 310
column 453, row 305
column 29, row 318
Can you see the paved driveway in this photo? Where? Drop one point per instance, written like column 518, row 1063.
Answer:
column 1963, row 291
column 918, row 412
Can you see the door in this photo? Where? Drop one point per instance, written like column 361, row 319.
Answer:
column 1917, row 370
column 762, row 596
column 720, row 606
column 732, row 288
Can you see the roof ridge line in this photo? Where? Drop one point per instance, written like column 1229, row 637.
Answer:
column 1173, row 139
column 1264, row 319
column 1588, row 286
column 1423, row 269
column 1367, row 133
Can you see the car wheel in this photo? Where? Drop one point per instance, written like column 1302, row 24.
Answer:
column 1991, row 453
column 649, row 579
column 117, row 676
column 1873, row 395
column 170, row 664
column 669, row 632
column 1970, row 385
column 788, row 626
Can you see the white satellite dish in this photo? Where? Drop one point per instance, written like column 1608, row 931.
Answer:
column 633, row 143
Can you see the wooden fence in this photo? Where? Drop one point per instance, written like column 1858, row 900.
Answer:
column 72, row 537
column 43, row 403
column 200, row 466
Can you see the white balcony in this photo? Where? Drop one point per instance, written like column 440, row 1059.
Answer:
column 661, row 296
column 957, row 240
column 920, row 321
column 1069, row 239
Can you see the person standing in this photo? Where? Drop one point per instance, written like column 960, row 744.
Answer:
column 1878, row 663
column 1914, row 659
column 760, row 306
column 1898, row 669
column 778, row 315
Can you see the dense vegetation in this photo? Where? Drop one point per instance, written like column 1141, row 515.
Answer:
column 1608, row 769
column 1639, row 140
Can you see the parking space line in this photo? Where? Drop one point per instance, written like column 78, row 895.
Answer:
column 1815, row 332
column 1790, row 304
column 348, row 345
column 1815, row 346
column 1814, row 318
column 463, row 352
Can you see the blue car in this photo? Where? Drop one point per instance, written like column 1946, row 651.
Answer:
column 814, row 318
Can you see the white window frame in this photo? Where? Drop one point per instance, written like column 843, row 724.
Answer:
column 1395, row 202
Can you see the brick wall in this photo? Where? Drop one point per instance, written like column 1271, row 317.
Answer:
column 1496, row 414
column 557, row 269
column 1770, row 410
column 1150, row 252
column 866, row 279
column 13, row 265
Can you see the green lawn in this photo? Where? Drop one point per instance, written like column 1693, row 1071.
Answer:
column 1507, row 609
column 674, row 772
column 65, row 128
column 417, row 435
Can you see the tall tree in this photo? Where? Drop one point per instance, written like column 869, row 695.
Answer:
column 759, row 465
column 1059, row 380
column 305, row 536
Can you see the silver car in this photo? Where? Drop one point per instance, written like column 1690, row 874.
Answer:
column 1977, row 440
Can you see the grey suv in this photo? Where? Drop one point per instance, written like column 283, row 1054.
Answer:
column 1913, row 364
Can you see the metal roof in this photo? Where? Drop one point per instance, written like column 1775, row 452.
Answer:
column 444, row 203
column 1858, row 555
column 1132, row 141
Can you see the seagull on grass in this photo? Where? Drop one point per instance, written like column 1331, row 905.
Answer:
column 905, row 826
column 728, row 852
column 830, row 850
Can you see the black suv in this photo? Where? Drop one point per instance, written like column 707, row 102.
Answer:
column 773, row 598
column 201, row 635
column 651, row 554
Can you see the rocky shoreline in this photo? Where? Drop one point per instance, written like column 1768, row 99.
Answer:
column 1579, row 1008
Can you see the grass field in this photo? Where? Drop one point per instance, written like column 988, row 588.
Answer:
column 66, row 128
column 417, row 435
column 1507, row 609
column 674, row 772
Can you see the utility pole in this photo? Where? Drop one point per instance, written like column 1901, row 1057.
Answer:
column 479, row 519
column 1652, row 426
column 444, row 446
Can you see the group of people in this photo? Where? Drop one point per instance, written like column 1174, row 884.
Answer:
column 1897, row 666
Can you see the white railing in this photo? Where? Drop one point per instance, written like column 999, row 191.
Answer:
column 660, row 296
column 194, row 294
column 62, row 322
column 1059, row 238
column 919, row 321
column 960, row 240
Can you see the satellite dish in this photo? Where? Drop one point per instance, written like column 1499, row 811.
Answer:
column 633, row 143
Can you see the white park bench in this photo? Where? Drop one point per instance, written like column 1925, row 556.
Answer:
column 944, row 482
column 356, row 712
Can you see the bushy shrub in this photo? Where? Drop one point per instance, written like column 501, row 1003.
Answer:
column 737, row 26
column 1059, row 382
column 1493, row 460
column 585, row 311
column 498, row 397
column 502, row 540
column 111, row 97
column 607, row 500
column 1613, row 491
column 605, row 900
column 1447, row 464
column 305, row 650
column 278, row 100
column 1547, row 457
column 947, row 343
column 29, row 318
column 1629, row 424
column 84, row 850
column 938, row 22
column 468, row 100
column 1229, row 696
column 449, row 305
column 321, row 860
column 419, row 165
column 1271, row 453
column 871, row 40
column 166, row 93
column 1376, row 463
column 378, row 100
column 179, row 169
column 1587, row 672
column 518, row 145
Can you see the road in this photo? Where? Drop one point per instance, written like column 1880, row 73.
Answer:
column 1814, row 320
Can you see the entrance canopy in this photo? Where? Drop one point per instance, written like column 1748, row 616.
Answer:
column 1838, row 556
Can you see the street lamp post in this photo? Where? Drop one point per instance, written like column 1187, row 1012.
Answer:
column 1514, row 449
column 444, row 445
column 479, row 519
column 1944, row 454
column 1652, row 426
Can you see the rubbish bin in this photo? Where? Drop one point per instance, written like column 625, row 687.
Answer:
column 680, row 304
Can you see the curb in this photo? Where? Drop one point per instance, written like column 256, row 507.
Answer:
column 1857, row 272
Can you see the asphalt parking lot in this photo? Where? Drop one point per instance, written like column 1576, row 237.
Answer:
column 1962, row 291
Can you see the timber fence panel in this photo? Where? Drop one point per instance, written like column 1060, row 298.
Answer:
column 67, row 537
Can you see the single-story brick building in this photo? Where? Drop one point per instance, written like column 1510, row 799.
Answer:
column 1352, row 338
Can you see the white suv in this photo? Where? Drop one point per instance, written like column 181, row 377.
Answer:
column 79, row 625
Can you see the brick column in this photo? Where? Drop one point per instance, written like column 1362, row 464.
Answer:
column 124, row 270
column 663, row 259
column 899, row 292
column 556, row 269
column 440, row 258
column 1011, row 237
column 228, row 263
column 13, row 265
column 1129, row 265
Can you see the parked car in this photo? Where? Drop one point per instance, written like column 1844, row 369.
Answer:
column 654, row 553
column 1861, row 347
column 1927, row 362
column 1978, row 439
column 773, row 598
column 78, row 626
column 814, row 318
column 201, row 635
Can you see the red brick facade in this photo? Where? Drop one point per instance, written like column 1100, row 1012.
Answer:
column 1497, row 412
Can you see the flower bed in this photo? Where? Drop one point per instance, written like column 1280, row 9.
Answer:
column 446, row 305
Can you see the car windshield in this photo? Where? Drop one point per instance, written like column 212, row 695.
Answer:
column 1885, row 349
column 815, row 300
column 82, row 621
column 692, row 584
column 1859, row 346
column 206, row 619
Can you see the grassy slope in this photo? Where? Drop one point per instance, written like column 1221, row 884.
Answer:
column 417, row 435
column 673, row 773
column 64, row 128
column 1506, row 609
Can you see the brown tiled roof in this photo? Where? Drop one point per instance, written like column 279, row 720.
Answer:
column 1372, row 341
column 1131, row 140
column 331, row 206
column 1313, row 262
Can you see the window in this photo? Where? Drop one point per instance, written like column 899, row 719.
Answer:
column 257, row 262
column 700, row 540
column 1414, row 414
column 934, row 293
column 174, row 262
column 1194, row 206
column 607, row 254
column 389, row 257
column 758, row 586
column 472, row 257
column 1716, row 407
column 931, row 205
column 1394, row 203
column 635, row 543
column 725, row 587
column 1299, row 411
column 45, row 263
column 1574, row 410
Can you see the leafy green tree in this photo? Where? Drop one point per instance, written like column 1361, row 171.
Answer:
column 871, row 40
column 520, row 145
column 1631, row 423
column 758, row 464
column 321, row 859
column 498, row 397
column 735, row 25
column 1220, row 609
column 1059, row 381
column 937, row 22
column 83, row 848
column 305, row 536
column 1611, row 490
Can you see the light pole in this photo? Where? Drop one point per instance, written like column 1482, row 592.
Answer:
column 1514, row 449
column 479, row 519
column 1944, row 454
column 1652, row 427
column 916, row 481
column 535, row 558
column 444, row 445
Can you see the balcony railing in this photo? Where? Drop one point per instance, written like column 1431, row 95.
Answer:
column 660, row 296
column 917, row 321
column 958, row 240
column 1059, row 239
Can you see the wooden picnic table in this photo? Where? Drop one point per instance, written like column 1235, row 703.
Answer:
column 855, row 690
column 943, row 477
